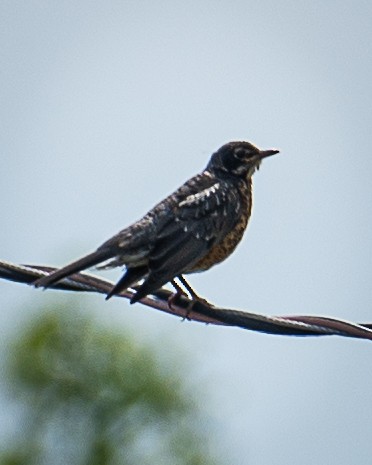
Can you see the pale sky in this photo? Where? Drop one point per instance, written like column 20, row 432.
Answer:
column 106, row 107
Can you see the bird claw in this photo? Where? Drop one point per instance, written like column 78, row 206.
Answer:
column 172, row 300
column 194, row 298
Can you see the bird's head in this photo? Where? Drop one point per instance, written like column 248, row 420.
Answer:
column 239, row 159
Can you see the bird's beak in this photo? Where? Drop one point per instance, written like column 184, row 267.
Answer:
column 267, row 153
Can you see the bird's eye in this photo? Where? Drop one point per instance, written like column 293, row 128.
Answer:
column 240, row 154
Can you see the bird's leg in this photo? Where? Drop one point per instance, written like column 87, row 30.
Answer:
column 179, row 292
column 191, row 291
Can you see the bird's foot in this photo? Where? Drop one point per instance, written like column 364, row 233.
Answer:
column 194, row 296
column 172, row 300
column 191, row 293
column 203, row 301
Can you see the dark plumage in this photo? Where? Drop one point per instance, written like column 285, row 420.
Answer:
column 194, row 228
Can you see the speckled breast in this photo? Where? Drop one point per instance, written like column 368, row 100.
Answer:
column 223, row 249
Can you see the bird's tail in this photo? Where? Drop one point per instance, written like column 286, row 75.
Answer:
column 88, row 261
column 131, row 276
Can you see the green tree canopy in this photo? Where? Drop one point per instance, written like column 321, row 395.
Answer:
column 94, row 396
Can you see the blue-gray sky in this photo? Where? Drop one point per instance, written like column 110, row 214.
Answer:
column 106, row 107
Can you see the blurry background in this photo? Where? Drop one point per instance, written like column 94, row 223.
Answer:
column 90, row 395
column 106, row 107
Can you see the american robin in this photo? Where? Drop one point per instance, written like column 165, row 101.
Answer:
column 196, row 227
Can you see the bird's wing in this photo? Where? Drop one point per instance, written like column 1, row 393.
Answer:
column 209, row 213
column 197, row 222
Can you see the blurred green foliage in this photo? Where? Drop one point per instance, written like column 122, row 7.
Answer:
column 92, row 396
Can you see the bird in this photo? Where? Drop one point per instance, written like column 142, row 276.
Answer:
column 196, row 227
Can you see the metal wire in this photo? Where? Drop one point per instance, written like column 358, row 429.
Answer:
column 299, row 325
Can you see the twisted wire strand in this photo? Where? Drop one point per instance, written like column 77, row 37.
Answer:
column 298, row 325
